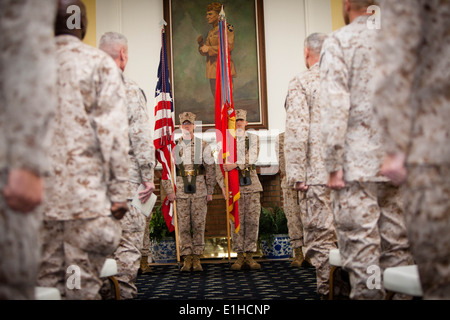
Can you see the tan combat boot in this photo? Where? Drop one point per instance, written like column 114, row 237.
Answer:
column 145, row 268
column 237, row 266
column 187, row 266
column 251, row 262
column 298, row 259
column 197, row 266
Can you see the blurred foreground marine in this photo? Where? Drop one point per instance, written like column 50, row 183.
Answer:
column 369, row 218
column 412, row 100
column 27, row 105
column 87, row 189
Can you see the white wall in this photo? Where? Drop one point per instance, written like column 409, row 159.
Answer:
column 287, row 23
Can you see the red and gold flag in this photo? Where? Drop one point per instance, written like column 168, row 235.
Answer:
column 226, row 121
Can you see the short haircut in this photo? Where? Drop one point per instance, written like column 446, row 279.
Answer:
column 112, row 42
column 315, row 41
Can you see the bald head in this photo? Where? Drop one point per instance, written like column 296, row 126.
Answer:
column 71, row 18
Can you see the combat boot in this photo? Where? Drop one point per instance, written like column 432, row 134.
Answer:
column 145, row 268
column 251, row 262
column 298, row 259
column 237, row 266
column 197, row 266
column 187, row 265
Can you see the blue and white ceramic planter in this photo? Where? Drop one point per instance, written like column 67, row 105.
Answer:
column 164, row 251
column 279, row 249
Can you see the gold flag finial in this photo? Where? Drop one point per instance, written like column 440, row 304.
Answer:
column 222, row 14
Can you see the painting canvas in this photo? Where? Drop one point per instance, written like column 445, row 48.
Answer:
column 188, row 30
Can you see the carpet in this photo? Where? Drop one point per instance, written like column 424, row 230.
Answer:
column 275, row 281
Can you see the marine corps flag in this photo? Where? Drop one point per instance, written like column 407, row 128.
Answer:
column 226, row 121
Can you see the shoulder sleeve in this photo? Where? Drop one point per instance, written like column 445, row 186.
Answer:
column 111, row 125
column 297, row 133
column 140, row 131
column 335, row 101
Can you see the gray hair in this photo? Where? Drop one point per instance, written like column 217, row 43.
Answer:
column 112, row 42
column 315, row 41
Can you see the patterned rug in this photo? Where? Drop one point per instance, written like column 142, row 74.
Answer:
column 275, row 281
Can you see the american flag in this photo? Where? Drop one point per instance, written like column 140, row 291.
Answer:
column 164, row 128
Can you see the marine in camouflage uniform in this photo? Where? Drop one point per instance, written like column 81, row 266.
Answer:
column 196, row 180
column 142, row 159
column 245, row 242
column 305, row 165
column 27, row 105
column 413, row 104
column 291, row 206
column 87, row 188
column 369, row 216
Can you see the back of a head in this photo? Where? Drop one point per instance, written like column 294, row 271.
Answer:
column 67, row 11
column 314, row 42
column 112, row 42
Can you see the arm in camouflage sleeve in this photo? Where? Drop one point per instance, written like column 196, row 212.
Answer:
column 397, row 53
column 111, row 124
column 167, row 186
column 210, row 167
column 219, row 177
column 253, row 150
column 297, row 133
column 140, row 133
column 28, row 84
column 335, row 101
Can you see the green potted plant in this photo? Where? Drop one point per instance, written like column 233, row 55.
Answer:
column 162, row 241
column 274, row 234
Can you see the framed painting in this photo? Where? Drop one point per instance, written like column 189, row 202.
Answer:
column 192, row 69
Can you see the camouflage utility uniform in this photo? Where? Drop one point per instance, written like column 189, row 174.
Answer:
column 90, row 169
column 304, row 163
column 142, row 158
column 245, row 242
column 196, row 178
column 27, row 105
column 369, row 217
column 413, row 103
column 291, row 206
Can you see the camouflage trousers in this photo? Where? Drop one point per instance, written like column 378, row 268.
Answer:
column 292, row 211
column 145, row 250
column 428, row 220
column 74, row 253
column 19, row 251
column 246, row 240
column 371, row 231
column 128, row 254
column 319, row 232
column 192, row 216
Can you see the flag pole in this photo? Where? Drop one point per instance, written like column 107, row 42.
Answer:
column 163, row 23
column 225, row 139
column 227, row 190
column 175, row 218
